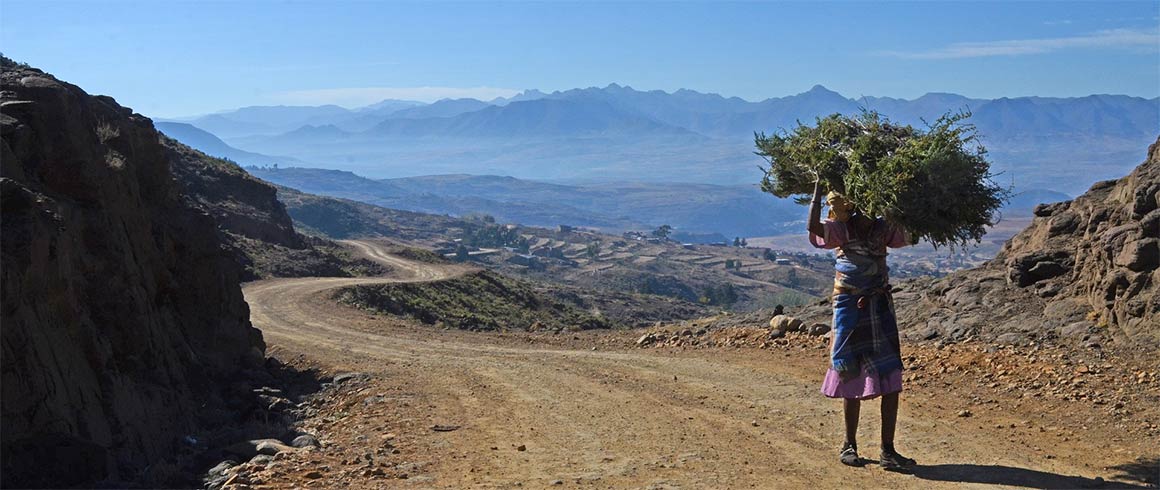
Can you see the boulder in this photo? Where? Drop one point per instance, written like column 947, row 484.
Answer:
column 271, row 447
column 1140, row 255
column 346, row 377
column 1011, row 338
column 778, row 322
column 261, row 460
column 785, row 323
column 305, row 440
column 1075, row 330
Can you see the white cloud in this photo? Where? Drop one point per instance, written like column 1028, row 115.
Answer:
column 361, row 96
column 1113, row 38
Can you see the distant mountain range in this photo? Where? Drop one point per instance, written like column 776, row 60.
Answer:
column 617, row 133
column 706, row 209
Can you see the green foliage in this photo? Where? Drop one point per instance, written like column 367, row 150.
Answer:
column 593, row 250
column 934, row 183
column 420, row 255
column 723, row 295
column 478, row 301
column 789, row 297
column 663, row 232
column 487, row 234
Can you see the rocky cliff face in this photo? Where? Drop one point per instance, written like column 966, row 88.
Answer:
column 121, row 307
column 1085, row 268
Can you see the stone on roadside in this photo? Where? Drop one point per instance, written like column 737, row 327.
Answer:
column 271, row 446
column 778, row 322
column 305, row 440
column 776, row 333
column 818, row 329
column 216, row 476
column 261, row 460
column 645, row 339
column 793, row 325
column 344, row 377
column 1010, row 338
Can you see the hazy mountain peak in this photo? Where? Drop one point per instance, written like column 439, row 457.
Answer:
column 526, row 95
column 389, row 105
column 820, row 89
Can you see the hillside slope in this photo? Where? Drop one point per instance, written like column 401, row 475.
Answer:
column 253, row 223
column 122, row 315
column 210, row 144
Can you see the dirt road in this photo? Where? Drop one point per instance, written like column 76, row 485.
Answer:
column 522, row 413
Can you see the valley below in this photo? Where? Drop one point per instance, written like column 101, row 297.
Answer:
column 409, row 405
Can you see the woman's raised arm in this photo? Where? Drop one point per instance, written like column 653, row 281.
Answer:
column 814, row 225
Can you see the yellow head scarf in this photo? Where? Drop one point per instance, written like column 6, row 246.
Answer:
column 840, row 207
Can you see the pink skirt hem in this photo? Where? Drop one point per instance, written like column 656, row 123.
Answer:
column 862, row 387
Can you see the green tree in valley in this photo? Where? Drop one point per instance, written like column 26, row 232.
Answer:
column 593, row 250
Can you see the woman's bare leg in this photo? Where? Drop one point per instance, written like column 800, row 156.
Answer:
column 889, row 420
column 852, row 407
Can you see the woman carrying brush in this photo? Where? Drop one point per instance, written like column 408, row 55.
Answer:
column 865, row 361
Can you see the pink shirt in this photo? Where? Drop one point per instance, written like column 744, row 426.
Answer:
column 836, row 236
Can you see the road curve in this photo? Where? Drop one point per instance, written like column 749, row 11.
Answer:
column 618, row 419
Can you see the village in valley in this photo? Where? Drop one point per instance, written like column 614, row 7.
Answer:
column 730, row 274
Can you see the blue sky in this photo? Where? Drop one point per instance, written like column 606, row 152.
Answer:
column 168, row 59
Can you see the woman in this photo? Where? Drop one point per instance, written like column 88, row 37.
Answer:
column 864, row 354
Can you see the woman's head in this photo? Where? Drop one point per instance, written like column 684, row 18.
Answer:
column 840, row 208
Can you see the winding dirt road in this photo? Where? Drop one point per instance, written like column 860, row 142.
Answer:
column 621, row 418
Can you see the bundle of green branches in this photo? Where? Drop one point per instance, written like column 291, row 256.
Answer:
column 935, row 183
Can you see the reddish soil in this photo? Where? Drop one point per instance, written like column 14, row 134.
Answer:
column 451, row 409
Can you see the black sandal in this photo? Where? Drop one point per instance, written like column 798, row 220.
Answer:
column 849, row 455
column 892, row 461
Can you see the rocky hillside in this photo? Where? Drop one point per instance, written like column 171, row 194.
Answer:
column 122, row 314
column 253, row 223
column 1084, row 269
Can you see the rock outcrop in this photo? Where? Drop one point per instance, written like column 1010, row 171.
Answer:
column 122, row 314
column 1084, row 269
